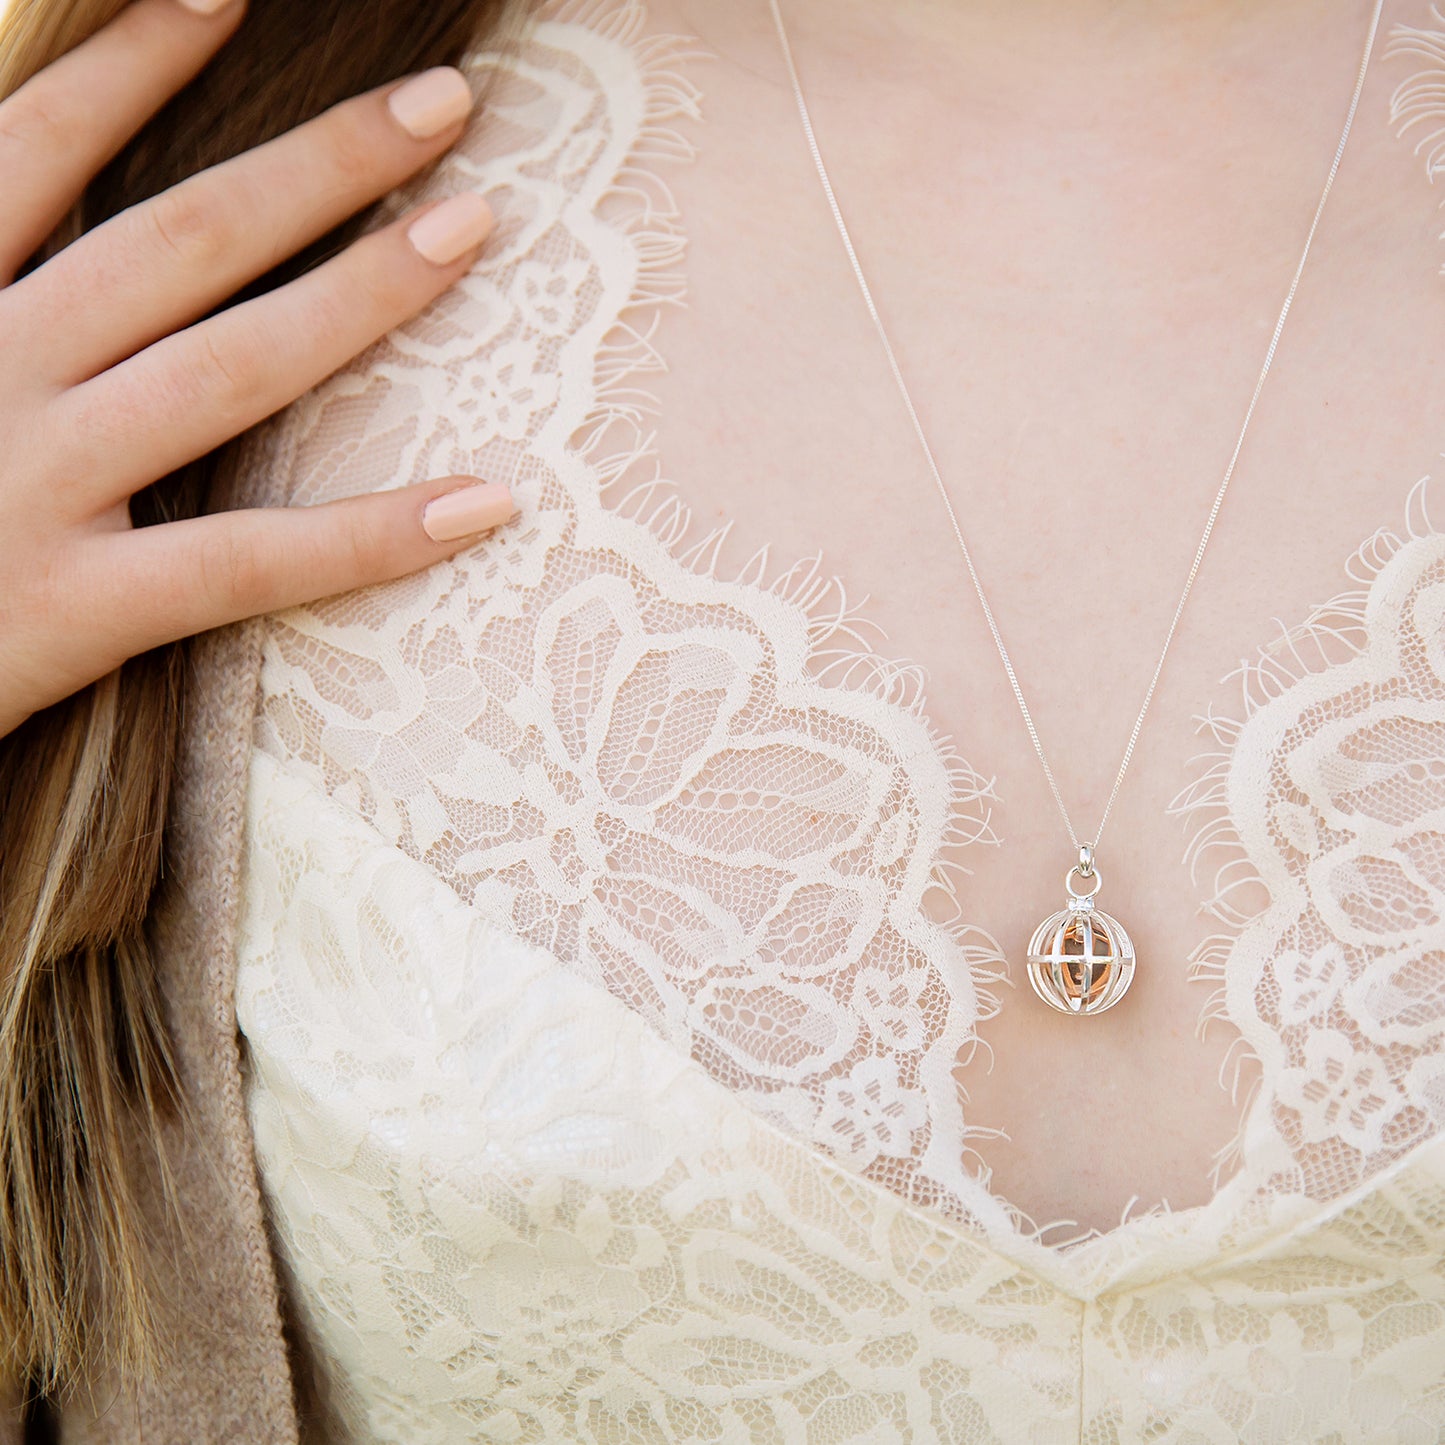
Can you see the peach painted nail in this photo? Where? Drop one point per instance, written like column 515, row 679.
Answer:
column 205, row 7
column 452, row 228
column 428, row 103
column 470, row 509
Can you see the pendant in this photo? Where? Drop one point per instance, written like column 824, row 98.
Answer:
column 1081, row 961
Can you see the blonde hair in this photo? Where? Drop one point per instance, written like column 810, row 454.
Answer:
column 88, row 1084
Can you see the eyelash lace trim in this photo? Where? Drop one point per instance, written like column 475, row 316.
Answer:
column 1302, row 803
column 713, row 796
column 1419, row 99
column 738, row 811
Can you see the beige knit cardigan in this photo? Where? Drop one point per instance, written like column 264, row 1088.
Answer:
column 232, row 1362
column 235, row 1369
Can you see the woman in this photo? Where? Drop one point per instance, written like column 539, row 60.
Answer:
column 609, row 916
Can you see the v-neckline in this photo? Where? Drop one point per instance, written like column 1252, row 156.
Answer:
column 1098, row 1254
column 1089, row 1263
column 1128, row 1250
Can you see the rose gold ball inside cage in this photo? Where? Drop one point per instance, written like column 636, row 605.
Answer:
column 1081, row 960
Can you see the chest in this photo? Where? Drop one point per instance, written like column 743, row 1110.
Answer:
column 1080, row 300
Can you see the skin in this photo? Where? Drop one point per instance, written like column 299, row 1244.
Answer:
column 105, row 386
column 1079, row 222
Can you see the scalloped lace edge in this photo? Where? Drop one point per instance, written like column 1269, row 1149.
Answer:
column 1333, row 632
column 839, row 654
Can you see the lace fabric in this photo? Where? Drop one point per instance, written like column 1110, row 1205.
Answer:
column 631, row 1252
column 600, row 1043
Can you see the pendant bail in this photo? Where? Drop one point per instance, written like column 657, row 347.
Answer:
column 1081, row 959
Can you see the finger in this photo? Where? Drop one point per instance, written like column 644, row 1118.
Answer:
column 159, row 583
column 184, row 395
column 60, row 127
column 165, row 262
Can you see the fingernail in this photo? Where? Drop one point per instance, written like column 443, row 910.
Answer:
column 205, row 7
column 471, row 509
column 452, row 228
column 428, row 103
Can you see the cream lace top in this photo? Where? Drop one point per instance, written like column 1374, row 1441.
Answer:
column 558, row 852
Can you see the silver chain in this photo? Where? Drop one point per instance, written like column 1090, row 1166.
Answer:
column 943, row 491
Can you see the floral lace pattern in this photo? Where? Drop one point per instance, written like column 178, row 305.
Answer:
column 1331, row 789
column 632, row 1253
column 571, row 810
column 700, row 793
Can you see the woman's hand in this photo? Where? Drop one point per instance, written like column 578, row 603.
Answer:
column 108, row 380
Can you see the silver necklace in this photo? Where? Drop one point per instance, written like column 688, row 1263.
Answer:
column 1080, row 960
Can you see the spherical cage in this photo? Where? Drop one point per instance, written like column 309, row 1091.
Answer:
column 1081, row 960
